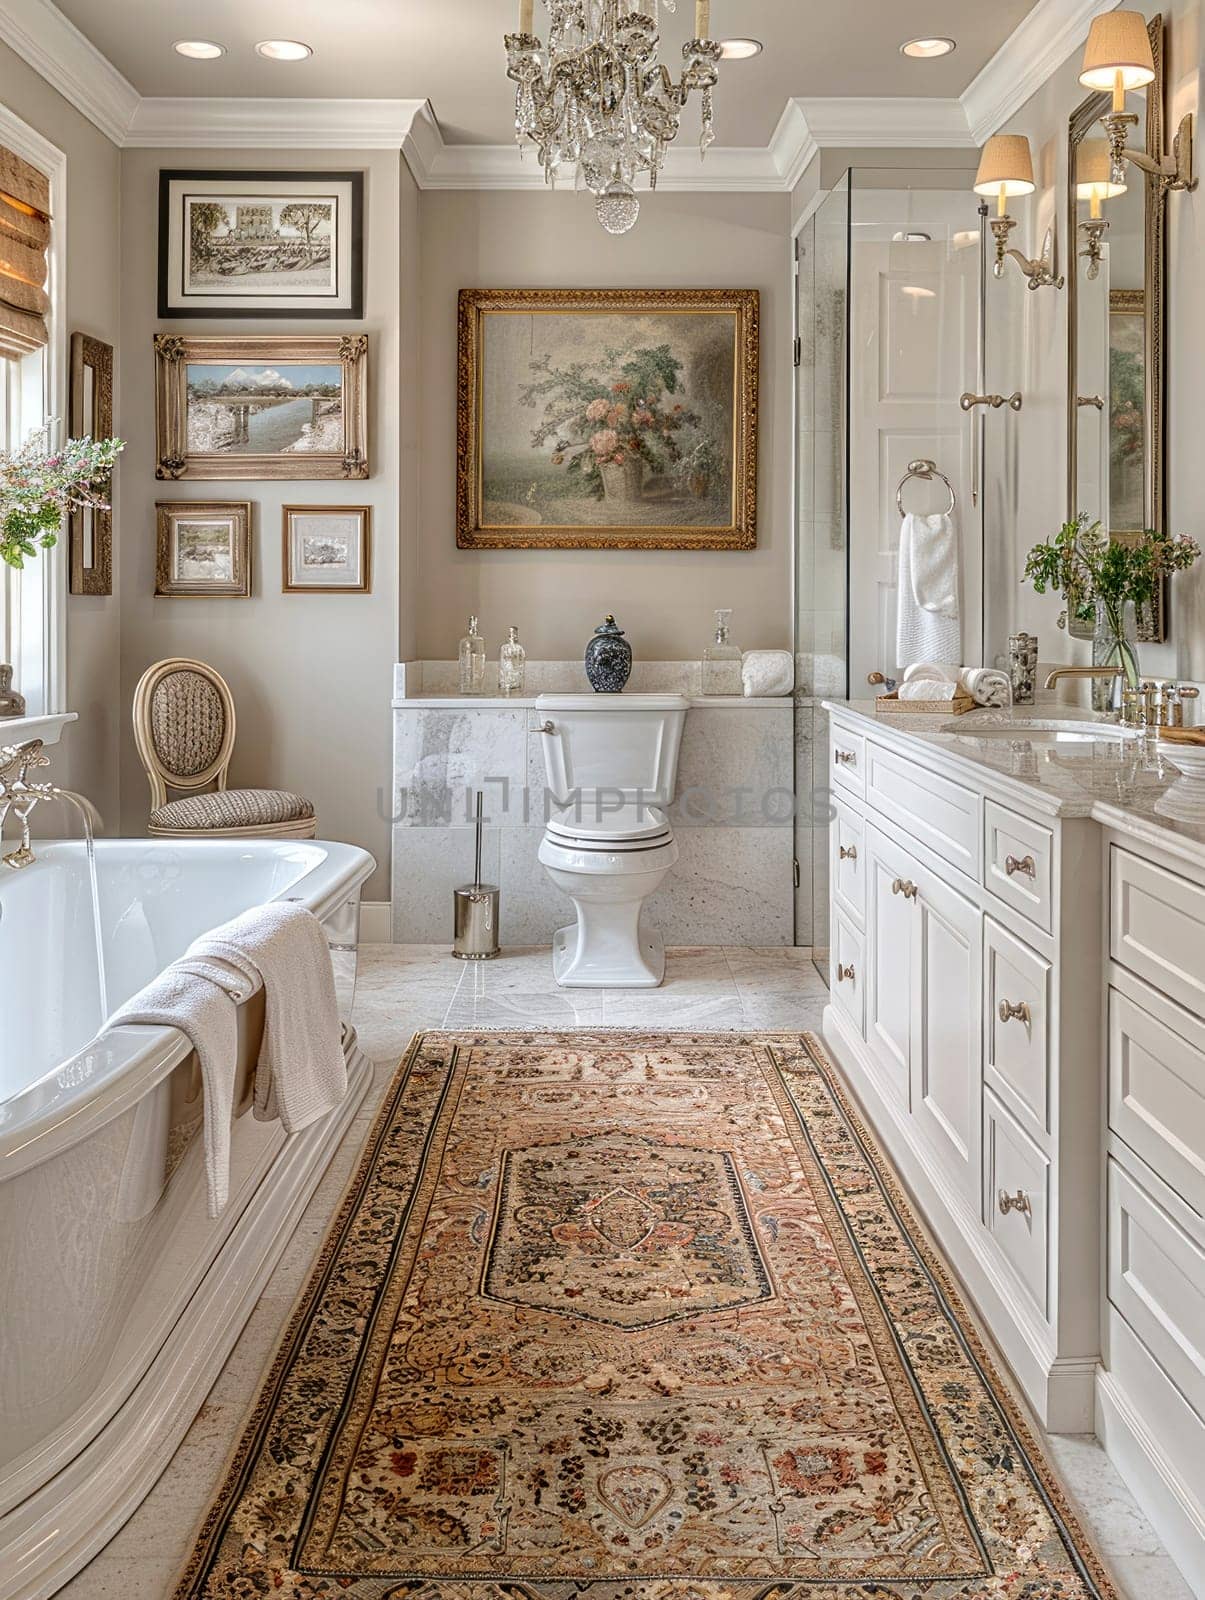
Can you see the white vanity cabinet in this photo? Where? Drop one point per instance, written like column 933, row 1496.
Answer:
column 962, row 1022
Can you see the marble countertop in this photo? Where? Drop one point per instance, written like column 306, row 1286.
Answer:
column 1128, row 784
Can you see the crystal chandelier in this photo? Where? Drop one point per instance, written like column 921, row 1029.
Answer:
column 597, row 97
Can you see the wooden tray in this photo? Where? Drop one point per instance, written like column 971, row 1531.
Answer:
column 890, row 705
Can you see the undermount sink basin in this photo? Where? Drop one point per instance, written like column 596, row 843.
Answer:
column 1041, row 730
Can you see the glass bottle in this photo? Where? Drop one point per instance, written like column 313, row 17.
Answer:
column 512, row 665
column 472, row 661
column 722, row 660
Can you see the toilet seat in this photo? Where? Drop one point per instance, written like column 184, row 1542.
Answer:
column 621, row 830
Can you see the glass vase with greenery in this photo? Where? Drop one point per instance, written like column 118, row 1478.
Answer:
column 40, row 485
column 1099, row 577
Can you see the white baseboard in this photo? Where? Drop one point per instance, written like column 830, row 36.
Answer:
column 376, row 922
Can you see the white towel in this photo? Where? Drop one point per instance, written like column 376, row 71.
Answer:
column 933, row 671
column 987, row 686
column 205, row 1011
column 928, row 626
column 767, row 672
column 928, row 689
column 302, row 1072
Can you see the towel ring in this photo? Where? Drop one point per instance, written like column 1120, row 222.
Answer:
column 927, row 470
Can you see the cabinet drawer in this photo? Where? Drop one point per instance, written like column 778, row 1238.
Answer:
column 1019, row 863
column 847, row 760
column 847, row 978
column 1157, row 1094
column 1157, row 927
column 1017, row 1033
column 933, row 810
column 848, row 866
column 1157, row 1283
column 1016, row 1197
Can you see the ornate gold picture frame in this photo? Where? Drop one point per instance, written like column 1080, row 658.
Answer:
column 203, row 548
column 265, row 407
column 607, row 419
column 90, row 532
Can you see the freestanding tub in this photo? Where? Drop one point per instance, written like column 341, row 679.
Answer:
column 119, row 1297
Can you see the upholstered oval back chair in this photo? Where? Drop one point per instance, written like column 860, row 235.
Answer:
column 184, row 727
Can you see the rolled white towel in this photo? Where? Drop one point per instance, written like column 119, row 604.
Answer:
column 767, row 672
column 987, row 686
column 931, row 671
column 928, row 689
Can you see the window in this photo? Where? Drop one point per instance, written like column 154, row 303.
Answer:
column 22, row 410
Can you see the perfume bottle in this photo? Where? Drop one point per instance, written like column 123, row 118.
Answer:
column 472, row 661
column 722, row 660
column 512, row 665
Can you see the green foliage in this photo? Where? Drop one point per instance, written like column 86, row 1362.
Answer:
column 1086, row 566
column 39, row 486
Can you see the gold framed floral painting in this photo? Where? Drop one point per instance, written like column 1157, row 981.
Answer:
column 607, row 419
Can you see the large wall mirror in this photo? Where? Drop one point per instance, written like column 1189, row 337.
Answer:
column 1115, row 389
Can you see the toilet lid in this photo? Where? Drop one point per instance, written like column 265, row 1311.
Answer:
column 627, row 824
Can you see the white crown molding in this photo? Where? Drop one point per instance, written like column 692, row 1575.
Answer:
column 1036, row 48
column 909, row 123
column 245, row 124
column 41, row 35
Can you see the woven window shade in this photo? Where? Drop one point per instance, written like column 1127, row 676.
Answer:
column 24, row 240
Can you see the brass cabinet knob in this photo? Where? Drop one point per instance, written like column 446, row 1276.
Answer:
column 1025, row 866
column 847, row 852
column 905, row 887
column 844, row 974
column 1015, row 1202
column 846, row 758
column 1019, row 1012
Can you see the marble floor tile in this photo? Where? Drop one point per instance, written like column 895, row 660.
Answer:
column 403, row 989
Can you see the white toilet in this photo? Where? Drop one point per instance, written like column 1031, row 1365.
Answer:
column 612, row 767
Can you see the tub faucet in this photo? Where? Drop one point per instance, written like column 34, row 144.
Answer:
column 20, row 797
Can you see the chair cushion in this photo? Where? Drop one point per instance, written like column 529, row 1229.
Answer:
column 232, row 808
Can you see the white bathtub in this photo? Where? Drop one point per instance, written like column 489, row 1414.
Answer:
column 119, row 1297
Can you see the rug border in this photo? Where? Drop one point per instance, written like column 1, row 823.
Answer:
column 1001, row 1384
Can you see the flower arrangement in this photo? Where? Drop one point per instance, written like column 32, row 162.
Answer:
column 39, row 486
column 626, row 413
column 1098, row 574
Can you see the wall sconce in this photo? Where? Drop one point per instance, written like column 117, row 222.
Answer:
column 1118, row 58
column 1094, row 183
column 1006, row 169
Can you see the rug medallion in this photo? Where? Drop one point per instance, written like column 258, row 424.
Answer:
column 624, row 1315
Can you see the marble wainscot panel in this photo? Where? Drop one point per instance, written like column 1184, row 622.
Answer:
column 734, row 881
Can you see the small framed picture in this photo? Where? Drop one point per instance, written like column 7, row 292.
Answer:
column 327, row 549
column 204, row 548
column 261, row 244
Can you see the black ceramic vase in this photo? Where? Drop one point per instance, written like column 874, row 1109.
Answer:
column 608, row 658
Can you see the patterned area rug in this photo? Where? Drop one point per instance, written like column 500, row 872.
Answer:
column 636, row 1317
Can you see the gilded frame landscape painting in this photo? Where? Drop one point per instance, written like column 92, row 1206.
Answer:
column 607, row 419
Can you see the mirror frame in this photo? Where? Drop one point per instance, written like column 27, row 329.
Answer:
column 1152, row 625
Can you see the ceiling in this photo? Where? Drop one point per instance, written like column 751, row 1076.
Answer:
column 450, row 52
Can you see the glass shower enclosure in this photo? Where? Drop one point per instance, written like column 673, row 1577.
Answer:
column 891, row 337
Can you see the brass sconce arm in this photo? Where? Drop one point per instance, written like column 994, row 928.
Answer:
column 1177, row 171
column 1039, row 271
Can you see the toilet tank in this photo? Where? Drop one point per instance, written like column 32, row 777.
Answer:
column 625, row 743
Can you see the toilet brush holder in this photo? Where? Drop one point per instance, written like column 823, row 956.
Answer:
column 475, row 908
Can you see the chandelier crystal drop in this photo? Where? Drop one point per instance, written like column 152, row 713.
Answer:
column 596, row 97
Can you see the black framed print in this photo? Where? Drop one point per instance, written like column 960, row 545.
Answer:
column 261, row 244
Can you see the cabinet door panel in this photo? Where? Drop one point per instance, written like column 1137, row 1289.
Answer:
column 947, row 1076
column 890, row 923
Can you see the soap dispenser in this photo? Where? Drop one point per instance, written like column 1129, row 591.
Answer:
column 722, row 660
column 472, row 661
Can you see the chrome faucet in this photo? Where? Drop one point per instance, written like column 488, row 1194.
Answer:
column 21, row 797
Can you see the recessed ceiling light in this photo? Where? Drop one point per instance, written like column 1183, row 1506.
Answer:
column 927, row 49
column 199, row 49
column 283, row 49
column 739, row 49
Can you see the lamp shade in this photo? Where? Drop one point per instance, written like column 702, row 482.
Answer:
column 1118, row 43
column 1094, row 172
column 1005, row 166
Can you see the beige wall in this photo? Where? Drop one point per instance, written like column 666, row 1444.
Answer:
column 664, row 599
column 1027, row 467
column 310, row 673
column 87, row 760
